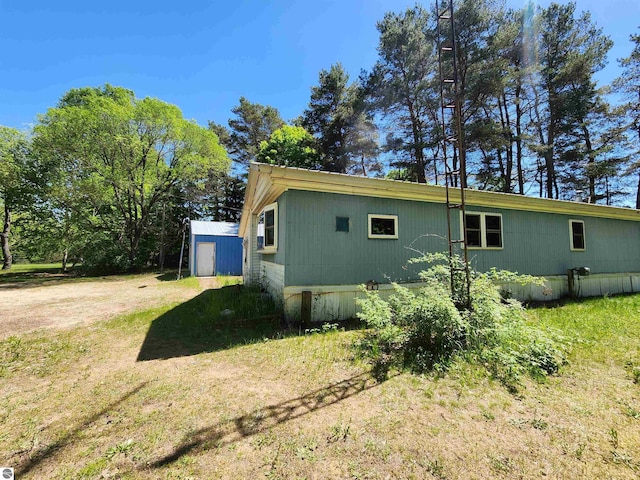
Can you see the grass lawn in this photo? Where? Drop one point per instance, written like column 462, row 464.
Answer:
column 18, row 269
column 183, row 392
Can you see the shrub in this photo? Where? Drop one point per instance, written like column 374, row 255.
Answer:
column 427, row 328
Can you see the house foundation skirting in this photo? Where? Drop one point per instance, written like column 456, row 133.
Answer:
column 338, row 302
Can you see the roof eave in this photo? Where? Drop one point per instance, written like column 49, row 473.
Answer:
column 267, row 182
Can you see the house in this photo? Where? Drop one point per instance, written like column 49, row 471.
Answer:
column 214, row 249
column 326, row 234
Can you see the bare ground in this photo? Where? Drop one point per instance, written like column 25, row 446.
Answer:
column 28, row 307
column 81, row 404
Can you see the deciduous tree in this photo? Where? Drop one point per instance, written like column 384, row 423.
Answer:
column 117, row 157
column 292, row 147
column 13, row 183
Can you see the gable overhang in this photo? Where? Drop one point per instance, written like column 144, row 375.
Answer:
column 267, row 182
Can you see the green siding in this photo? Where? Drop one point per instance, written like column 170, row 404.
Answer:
column 316, row 254
column 534, row 243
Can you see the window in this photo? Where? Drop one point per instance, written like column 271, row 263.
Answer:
column 383, row 226
column 484, row 230
column 268, row 229
column 342, row 224
column 576, row 235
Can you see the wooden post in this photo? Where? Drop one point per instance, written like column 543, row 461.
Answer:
column 305, row 310
column 570, row 282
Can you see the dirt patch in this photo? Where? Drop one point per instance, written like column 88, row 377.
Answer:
column 67, row 304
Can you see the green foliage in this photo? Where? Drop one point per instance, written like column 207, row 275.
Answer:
column 16, row 186
column 628, row 86
column 292, row 147
column 252, row 124
column 337, row 116
column 113, row 160
column 423, row 329
column 403, row 89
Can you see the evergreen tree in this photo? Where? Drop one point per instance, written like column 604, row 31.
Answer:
column 628, row 84
column 571, row 50
column 403, row 90
column 252, row 124
column 337, row 117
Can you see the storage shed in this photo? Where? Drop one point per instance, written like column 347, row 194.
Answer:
column 214, row 249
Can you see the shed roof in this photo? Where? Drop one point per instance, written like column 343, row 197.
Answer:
column 267, row 182
column 223, row 229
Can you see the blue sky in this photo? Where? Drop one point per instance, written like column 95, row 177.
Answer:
column 203, row 55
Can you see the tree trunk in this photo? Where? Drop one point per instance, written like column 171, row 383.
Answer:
column 548, row 161
column 590, row 162
column 65, row 258
column 4, row 239
column 638, row 193
column 638, row 190
column 519, row 142
column 506, row 127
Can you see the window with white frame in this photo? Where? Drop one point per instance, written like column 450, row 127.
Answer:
column 484, row 230
column 577, row 235
column 383, row 226
column 268, row 229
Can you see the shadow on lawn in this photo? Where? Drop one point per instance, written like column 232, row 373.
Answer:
column 202, row 325
column 43, row 277
column 52, row 449
column 263, row 419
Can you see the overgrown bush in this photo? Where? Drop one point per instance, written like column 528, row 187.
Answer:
column 427, row 328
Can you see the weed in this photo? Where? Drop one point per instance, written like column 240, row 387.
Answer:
column 580, row 450
column 488, row 415
column 378, row 448
column 624, row 459
column 124, row 448
column 307, row 451
column 324, row 328
column 339, row 431
column 613, row 438
column 502, row 464
column 539, row 424
column 629, row 411
column 426, row 329
column 435, row 468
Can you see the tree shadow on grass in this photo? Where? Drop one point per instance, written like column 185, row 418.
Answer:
column 43, row 277
column 214, row 320
column 50, row 450
column 266, row 418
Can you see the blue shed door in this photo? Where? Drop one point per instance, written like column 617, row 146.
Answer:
column 206, row 259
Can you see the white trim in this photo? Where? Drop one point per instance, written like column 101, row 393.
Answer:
column 270, row 248
column 584, row 236
column 483, row 231
column 267, row 182
column 385, row 217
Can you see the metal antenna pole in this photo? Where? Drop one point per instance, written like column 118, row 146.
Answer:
column 455, row 169
column 184, row 230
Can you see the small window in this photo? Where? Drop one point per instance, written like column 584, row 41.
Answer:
column 484, row 230
column 493, row 231
column 268, row 229
column 383, row 226
column 474, row 232
column 342, row 224
column 577, row 235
